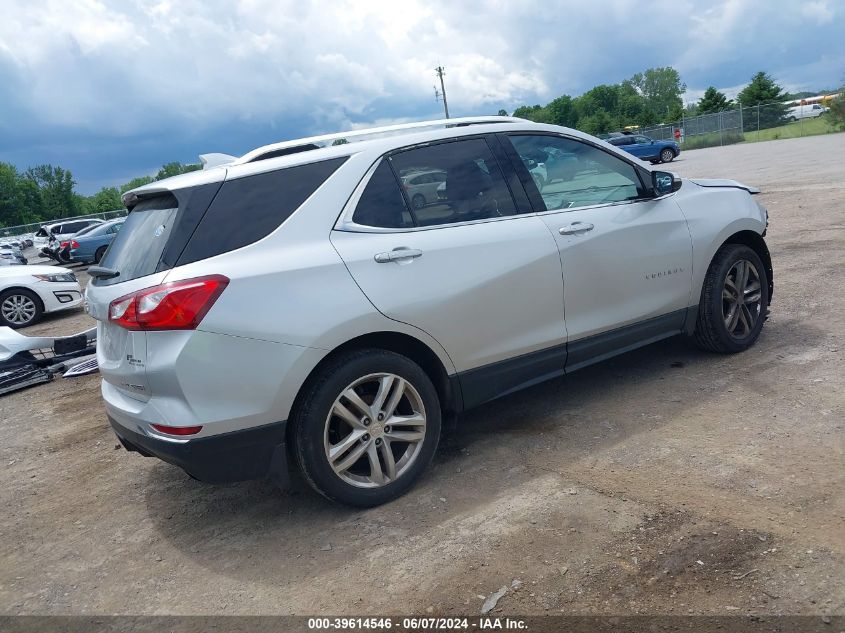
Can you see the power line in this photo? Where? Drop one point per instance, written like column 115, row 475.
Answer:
column 442, row 93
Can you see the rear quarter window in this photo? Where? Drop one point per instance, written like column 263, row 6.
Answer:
column 250, row 208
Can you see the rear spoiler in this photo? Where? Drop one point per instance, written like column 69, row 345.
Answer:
column 215, row 160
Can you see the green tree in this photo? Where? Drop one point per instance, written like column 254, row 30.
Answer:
column 106, row 199
column 714, row 101
column 762, row 91
column 20, row 198
column 135, row 182
column 57, row 195
column 837, row 109
column 603, row 97
column 661, row 88
column 600, row 122
column 561, row 111
column 174, row 169
column 502, row 112
column 340, row 141
column 536, row 113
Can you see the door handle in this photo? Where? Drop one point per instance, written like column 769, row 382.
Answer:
column 575, row 228
column 397, row 254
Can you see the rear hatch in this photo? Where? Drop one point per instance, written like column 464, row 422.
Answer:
column 134, row 254
column 143, row 252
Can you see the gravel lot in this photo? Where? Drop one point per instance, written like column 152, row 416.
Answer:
column 665, row 481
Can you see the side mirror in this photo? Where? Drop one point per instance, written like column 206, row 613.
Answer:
column 664, row 182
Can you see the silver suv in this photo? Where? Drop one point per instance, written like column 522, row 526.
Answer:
column 296, row 303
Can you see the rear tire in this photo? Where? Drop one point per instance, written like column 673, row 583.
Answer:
column 667, row 156
column 20, row 308
column 734, row 301
column 328, row 428
column 98, row 255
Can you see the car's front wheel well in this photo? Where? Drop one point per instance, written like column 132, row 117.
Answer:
column 28, row 291
column 756, row 242
column 408, row 346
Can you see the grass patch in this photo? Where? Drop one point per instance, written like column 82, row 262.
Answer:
column 804, row 127
column 712, row 140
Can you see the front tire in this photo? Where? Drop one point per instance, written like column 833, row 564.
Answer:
column 366, row 427
column 667, row 156
column 418, row 201
column 734, row 301
column 19, row 308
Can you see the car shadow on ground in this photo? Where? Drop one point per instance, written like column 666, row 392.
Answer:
column 492, row 449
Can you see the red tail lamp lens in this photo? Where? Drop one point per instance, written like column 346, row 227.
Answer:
column 178, row 305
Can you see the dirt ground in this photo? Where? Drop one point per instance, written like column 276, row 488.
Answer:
column 665, row 481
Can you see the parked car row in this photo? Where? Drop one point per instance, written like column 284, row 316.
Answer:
column 61, row 230
column 11, row 255
column 86, row 246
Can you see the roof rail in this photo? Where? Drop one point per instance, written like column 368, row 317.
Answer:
column 315, row 142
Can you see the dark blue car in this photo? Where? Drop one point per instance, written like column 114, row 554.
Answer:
column 645, row 148
column 91, row 246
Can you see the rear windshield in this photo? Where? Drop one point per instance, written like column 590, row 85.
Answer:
column 136, row 250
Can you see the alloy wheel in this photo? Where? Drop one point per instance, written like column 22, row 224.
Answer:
column 375, row 430
column 741, row 299
column 667, row 156
column 18, row 309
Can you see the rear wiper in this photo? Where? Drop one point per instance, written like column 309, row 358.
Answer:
column 100, row 272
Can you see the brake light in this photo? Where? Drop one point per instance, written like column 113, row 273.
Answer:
column 178, row 305
column 177, row 430
column 74, row 244
column 62, row 244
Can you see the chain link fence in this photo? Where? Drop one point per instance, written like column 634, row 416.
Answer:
column 8, row 232
column 755, row 123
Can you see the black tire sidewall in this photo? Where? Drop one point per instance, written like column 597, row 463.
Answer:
column 39, row 311
column 417, row 197
column 717, row 274
column 310, row 417
column 669, row 153
column 98, row 254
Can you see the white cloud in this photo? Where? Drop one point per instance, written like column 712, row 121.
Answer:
column 118, row 67
column 819, row 10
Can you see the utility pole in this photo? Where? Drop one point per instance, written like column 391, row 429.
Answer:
column 437, row 95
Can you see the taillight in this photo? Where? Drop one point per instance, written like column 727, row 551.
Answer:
column 177, row 305
column 63, row 244
column 177, row 430
column 74, row 244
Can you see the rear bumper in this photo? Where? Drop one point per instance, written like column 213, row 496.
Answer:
column 253, row 453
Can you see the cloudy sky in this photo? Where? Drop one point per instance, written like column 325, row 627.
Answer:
column 114, row 88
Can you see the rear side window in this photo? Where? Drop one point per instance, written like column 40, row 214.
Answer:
column 445, row 183
column 136, row 250
column 247, row 209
